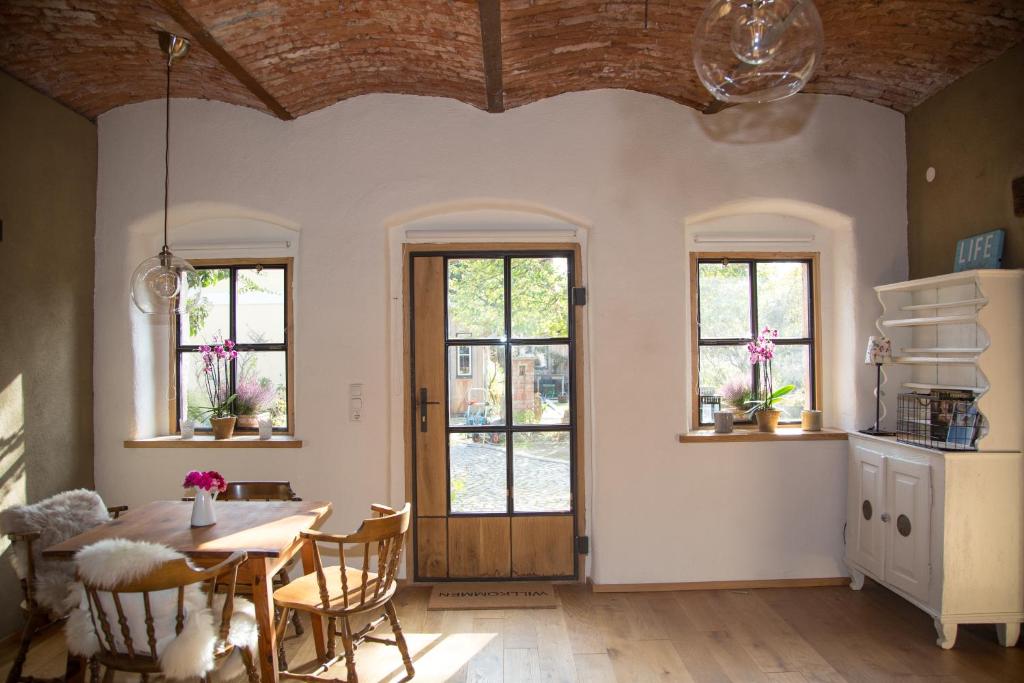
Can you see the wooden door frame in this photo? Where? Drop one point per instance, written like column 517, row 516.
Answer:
column 408, row 249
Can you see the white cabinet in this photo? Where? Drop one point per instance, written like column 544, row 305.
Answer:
column 945, row 530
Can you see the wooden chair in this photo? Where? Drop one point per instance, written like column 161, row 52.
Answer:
column 123, row 649
column 38, row 618
column 339, row 593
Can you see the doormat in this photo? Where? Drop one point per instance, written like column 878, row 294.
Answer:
column 509, row 595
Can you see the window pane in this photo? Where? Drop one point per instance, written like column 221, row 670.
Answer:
column 476, row 385
column 262, row 385
column 725, row 371
column 783, row 296
column 792, row 365
column 206, row 310
column 259, row 301
column 724, row 300
column 477, row 467
column 193, row 396
column 540, row 468
column 476, row 298
column 540, row 297
column 540, row 384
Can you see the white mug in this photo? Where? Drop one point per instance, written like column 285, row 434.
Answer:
column 188, row 429
column 723, row 422
column 266, row 427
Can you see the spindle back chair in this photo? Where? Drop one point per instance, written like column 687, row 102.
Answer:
column 340, row 592
column 123, row 648
column 37, row 618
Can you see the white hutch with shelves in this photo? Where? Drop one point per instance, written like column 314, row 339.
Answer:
column 945, row 529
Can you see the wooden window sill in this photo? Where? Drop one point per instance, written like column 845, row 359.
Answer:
column 206, row 441
column 742, row 435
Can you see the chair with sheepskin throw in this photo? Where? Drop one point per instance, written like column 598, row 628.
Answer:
column 144, row 608
column 339, row 593
column 45, row 582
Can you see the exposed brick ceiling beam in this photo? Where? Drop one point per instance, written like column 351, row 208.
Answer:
column 490, row 37
column 201, row 36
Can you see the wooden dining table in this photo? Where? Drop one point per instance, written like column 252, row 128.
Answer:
column 268, row 531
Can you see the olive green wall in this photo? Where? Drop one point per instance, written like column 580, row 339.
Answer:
column 48, row 209
column 972, row 133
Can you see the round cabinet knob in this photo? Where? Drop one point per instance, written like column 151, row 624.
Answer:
column 886, row 517
column 865, row 509
column 903, row 525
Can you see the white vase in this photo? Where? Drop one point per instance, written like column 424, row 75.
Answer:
column 203, row 513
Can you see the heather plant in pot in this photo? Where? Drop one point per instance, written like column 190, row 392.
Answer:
column 736, row 396
column 252, row 397
column 215, row 374
column 762, row 352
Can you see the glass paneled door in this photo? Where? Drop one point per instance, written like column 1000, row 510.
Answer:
column 494, row 430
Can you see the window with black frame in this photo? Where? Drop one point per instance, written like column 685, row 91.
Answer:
column 738, row 296
column 249, row 303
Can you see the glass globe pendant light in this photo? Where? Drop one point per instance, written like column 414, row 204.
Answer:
column 757, row 50
column 160, row 283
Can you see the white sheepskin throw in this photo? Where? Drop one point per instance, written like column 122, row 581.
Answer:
column 55, row 519
column 190, row 654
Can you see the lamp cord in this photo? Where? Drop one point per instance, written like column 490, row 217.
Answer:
column 167, row 143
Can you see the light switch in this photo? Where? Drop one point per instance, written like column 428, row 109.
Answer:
column 355, row 409
column 355, row 390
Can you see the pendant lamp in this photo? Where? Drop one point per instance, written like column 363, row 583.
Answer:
column 757, row 50
column 160, row 282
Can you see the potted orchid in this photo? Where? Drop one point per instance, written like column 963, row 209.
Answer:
column 762, row 352
column 207, row 485
column 216, row 375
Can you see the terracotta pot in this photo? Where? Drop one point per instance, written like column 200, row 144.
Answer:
column 768, row 420
column 223, row 427
column 248, row 422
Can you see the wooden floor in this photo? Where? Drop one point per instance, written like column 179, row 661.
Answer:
column 779, row 635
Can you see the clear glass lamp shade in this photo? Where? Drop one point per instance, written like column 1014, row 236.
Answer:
column 160, row 284
column 757, row 50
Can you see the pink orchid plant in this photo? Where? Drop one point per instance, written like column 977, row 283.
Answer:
column 762, row 352
column 216, row 375
column 211, row 481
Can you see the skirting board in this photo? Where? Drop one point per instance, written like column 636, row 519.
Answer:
column 718, row 585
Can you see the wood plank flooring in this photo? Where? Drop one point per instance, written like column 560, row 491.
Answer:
column 790, row 635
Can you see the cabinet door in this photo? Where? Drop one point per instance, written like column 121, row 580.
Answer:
column 864, row 529
column 907, row 509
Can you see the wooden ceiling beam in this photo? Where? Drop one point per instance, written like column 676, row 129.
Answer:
column 205, row 40
column 490, row 37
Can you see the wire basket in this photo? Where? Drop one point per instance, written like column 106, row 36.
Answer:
column 945, row 420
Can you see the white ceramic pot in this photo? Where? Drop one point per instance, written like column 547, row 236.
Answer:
column 203, row 513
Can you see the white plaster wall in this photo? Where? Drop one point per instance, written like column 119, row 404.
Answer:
column 633, row 167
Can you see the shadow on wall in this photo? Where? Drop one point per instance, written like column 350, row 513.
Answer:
column 747, row 124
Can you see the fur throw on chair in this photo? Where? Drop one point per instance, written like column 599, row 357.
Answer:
column 190, row 654
column 55, row 519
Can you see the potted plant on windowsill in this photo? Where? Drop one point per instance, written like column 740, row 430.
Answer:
column 252, row 397
column 216, row 374
column 762, row 351
column 736, row 396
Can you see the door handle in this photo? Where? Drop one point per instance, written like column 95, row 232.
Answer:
column 423, row 408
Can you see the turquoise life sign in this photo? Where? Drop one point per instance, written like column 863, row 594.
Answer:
column 980, row 251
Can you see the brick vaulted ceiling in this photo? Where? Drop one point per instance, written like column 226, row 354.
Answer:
column 292, row 57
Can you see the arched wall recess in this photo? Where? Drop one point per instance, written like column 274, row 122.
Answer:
column 785, row 225
column 483, row 221
column 200, row 230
